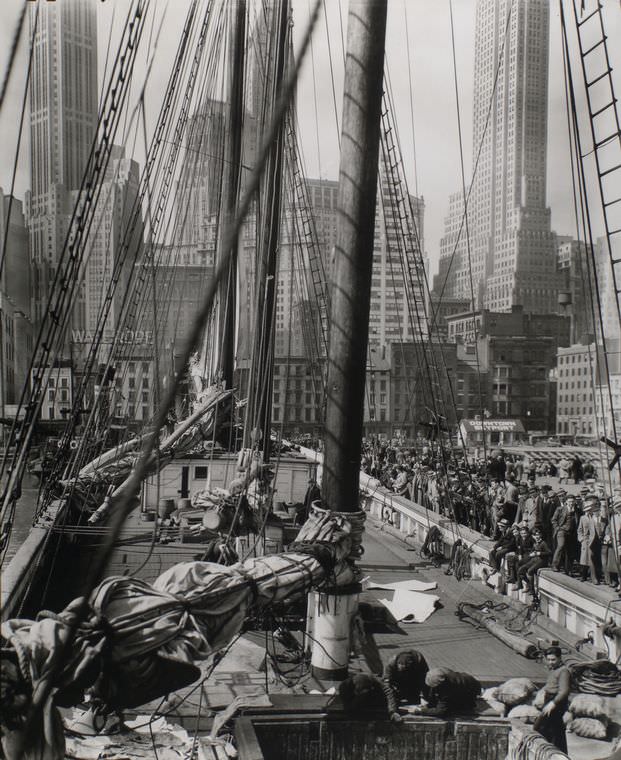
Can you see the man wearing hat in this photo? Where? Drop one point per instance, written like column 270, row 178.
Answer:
column 564, row 530
column 505, row 544
column 590, row 532
column 528, row 511
column 538, row 557
column 450, row 693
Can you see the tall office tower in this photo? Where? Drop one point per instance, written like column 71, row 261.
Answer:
column 63, row 118
column 397, row 288
column 115, row 238
column 506, row 254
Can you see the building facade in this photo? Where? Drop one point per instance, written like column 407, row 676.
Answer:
column 576, row 375
column 577, row 299
column 132, row 396
column 505, row 254
column 512, row 360
column 58, row 388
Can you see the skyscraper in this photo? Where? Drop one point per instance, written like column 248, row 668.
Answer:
column 114, row 228
column 63, row 118
column 397, row 287
column 505, row 255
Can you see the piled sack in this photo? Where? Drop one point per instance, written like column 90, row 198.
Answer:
column 587, row 717
column 525, row 713
column 509, row 695
column 515, row 691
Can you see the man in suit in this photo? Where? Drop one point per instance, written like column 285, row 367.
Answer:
column 529, row 511
column 590, row 532
column 564, row 527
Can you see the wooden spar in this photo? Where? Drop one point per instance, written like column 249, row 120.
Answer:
column 259, row 412
column 518, row 643
column 351, row 283
column 232, row 168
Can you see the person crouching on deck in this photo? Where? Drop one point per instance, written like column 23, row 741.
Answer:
column 405, row 678
column 450, row 693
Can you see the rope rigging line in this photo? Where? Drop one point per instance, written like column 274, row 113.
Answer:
column 120, row 508
column 399, row 181
column 467, row 226
column 586, row 221
column 13, row 53
column 477, row 159
column 129, row 348
column 580, row 221
column 20, row 131
column 134, row 220
column 59, row 304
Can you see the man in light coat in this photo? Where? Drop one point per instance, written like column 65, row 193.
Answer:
column 529, row 511
column 590, row 533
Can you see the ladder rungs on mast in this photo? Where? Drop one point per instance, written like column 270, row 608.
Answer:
column 595, row 46
column 605, row 73
column 593, row 13
column 605, row 140
column 604, row 108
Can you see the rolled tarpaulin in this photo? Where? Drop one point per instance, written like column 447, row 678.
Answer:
column 481, row 618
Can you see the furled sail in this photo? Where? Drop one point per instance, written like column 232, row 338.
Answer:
column 133, row 642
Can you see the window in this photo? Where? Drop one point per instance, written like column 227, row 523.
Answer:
column 64, row 382
column 50, row 412
column 200, row 472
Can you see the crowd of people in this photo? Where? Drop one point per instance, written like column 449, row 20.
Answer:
column 532, row 524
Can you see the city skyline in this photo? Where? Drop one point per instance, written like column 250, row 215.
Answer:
column 432, row 101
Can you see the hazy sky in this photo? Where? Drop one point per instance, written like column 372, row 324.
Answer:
column 430, row 99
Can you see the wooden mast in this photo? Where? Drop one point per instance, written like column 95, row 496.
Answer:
column 259, row 411
column 233, row 171
column 351, row 278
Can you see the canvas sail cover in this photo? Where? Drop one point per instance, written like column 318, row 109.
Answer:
column 139, row 641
